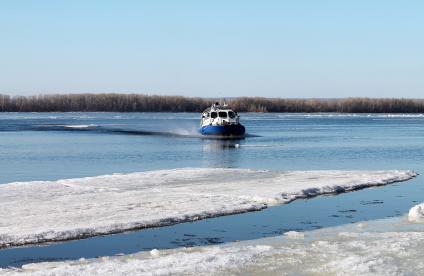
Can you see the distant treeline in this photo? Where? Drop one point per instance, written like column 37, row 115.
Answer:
column 146, row 103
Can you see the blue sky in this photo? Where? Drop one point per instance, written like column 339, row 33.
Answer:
column 323, row 49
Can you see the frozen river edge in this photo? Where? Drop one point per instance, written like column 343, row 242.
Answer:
column 42, row 211
column 381, row 247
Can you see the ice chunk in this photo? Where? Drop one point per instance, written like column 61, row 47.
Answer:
column 40, row 211
column 294, row 235
column 416, row 213
column 154, row 253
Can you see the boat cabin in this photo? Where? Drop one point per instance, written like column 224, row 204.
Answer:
column 219, row 115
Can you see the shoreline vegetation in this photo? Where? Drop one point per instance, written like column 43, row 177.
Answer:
column 153, row 103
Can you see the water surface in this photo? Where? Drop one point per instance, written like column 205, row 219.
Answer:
column 50, row 146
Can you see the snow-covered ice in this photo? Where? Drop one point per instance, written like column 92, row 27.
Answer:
column 383, row 247
column 39, row 211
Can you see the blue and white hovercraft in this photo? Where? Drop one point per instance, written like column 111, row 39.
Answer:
column 220, row 120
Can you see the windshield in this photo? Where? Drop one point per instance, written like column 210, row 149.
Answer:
column 231, row 114
column 213, row 115
column 223, row 114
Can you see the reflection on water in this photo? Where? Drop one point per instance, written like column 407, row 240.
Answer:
column 223, row 153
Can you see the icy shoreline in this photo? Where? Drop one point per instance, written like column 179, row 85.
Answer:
column 41, row 211
column 382, row 247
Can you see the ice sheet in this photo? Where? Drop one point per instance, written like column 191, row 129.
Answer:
column 40, row 211
column 384, row 247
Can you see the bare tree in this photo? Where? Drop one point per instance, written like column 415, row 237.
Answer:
column 108, row 102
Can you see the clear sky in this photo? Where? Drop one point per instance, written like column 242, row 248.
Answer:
column 298, row 48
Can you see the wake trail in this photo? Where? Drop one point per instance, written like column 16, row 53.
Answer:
column 92, row 128
column 182, row 133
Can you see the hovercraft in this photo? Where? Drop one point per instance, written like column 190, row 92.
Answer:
column 220, row 120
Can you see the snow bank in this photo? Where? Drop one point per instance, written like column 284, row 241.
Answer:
column 386, row 247
column 40, row 211
column 416, row 213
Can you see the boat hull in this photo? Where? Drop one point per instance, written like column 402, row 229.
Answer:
column 227, row 130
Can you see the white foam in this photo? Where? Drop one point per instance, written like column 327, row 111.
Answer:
column 40, row 211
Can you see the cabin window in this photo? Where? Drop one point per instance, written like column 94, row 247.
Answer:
column 213, row 115
column 231, row 114
column 223, row 114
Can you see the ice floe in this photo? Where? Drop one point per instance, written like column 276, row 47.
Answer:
column 81, row 126
column 383, row 247
column 40, row 211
